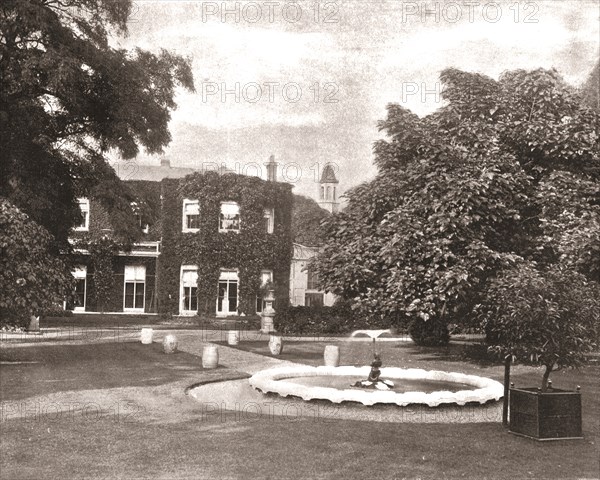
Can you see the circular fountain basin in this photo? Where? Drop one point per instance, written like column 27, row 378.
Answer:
column 411, row 386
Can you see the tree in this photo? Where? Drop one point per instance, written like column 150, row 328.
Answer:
column 459, row 198
column 548, row 318
column 306, row 219
column 32, row 279
column 68, row 97
column 590, row 90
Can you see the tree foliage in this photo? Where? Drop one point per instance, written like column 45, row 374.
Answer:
column 464, row 194
column 68, row 97
column 31, row 278
column 548, row 318
column 306, row 220
column 590, row 90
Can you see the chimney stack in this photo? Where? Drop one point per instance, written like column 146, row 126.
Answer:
column 271, row 169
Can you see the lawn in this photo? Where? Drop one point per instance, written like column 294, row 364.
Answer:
column 143, row 426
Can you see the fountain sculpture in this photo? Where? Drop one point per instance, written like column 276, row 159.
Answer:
column 426, row 387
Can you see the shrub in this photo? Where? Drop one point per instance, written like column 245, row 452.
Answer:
column 338, row 319
column 430, row 333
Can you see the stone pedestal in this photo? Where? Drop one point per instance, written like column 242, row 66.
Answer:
column 267, row 324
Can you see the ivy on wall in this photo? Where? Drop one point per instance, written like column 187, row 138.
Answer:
column 102, row 252
column 249, row 251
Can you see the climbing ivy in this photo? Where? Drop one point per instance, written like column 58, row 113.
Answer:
column 249, row 251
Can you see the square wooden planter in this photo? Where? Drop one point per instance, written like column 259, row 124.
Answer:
column 552, row 415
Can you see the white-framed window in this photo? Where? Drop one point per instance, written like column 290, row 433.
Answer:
column 80, row 293
column 135, row 288
column 227, row 299
column 265, row 276
column 269, row 217
column 188, row 292
column 229, row 218
column 84, row 206
column 191, row 215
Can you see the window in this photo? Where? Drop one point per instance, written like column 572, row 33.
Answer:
column 334, row 193
column 322, row 193
column 135, row 287
column 312, row 282
column 79, row 296
column 191, row 215
column 138, row 215
column 84, row 206
column 328, row 193
column 189, row 289
column 265, row 276
column 269, row 216
column 227, row 300
column 229, row 220
column 313, row 299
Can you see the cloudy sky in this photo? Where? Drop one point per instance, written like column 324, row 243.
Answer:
column 308, row 81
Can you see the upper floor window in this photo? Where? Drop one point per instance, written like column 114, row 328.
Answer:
column 84, row 206
column 191, row 215
column 269, row 216
column 322, row 193
column 138, row 216
column 229, row 219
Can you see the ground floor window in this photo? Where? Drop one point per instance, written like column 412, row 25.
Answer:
column 265, row 276
column 135, row 287
column 227, row 300
column 313, row 299
column 80, row 293
column 189, row 290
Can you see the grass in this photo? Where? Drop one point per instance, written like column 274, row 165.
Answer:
column 155, row 431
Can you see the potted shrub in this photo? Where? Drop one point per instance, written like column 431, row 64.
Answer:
column 550, row 319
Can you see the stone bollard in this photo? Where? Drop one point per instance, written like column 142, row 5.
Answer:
column 210, row 357
column 146, row 336
column 233, row 337
column 170, row 344
column 332, row 356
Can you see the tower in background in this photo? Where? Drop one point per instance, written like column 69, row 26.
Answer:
column 328, row 194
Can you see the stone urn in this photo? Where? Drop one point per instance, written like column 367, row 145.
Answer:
column 170, row 344
column 267, row 324
column 275, row 343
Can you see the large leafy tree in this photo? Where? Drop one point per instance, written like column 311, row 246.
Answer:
column 68, row 97
column 464, row 194
column 306, row 218
column 32, row 279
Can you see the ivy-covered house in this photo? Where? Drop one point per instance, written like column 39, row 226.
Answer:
column 208, row 245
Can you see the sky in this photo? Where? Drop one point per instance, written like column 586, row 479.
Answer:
column 308, row 81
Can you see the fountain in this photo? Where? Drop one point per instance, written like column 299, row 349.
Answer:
column 347, row 384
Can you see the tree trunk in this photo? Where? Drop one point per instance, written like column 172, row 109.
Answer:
column 546, row 376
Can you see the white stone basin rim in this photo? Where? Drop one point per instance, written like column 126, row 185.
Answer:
column 273, row 381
